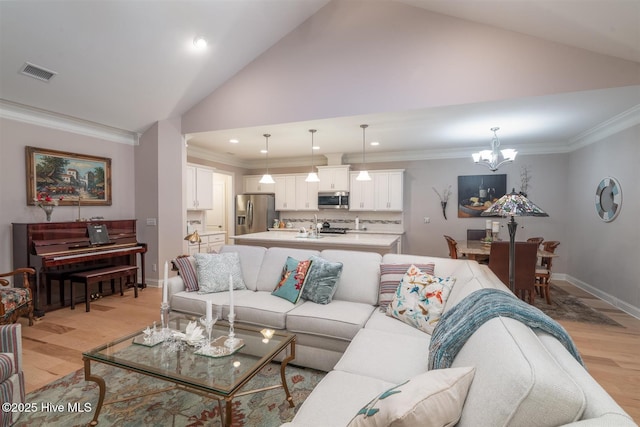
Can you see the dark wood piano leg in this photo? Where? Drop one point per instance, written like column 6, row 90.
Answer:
column 37, row 309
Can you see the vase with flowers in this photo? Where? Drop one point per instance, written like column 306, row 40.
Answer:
column 45, row 202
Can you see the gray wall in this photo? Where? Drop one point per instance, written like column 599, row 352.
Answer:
column 14, row 136
column 604, row 257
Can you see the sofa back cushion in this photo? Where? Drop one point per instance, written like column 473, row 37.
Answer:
column 250, row 261
column 360, row 275
column 517, row 380
column 274, row 260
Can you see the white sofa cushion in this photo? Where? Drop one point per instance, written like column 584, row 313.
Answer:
column 336, row 398
column 386, row 356
column 360, row 270
column 339, row 319
column 272, row 263
column 194, row 303
column 262, row 309
column 381, row 322
column 431, row 399
column 250, row 260
column 522, row 378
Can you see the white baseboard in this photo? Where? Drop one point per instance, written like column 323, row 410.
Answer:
column 627, row 308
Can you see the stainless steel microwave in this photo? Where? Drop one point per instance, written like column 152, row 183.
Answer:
column 335, row 200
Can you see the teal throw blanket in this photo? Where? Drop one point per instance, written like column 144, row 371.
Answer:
column 459, row 323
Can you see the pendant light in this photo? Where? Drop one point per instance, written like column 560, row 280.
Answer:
column 312, row 177
column 363, row 175
column 267, row 178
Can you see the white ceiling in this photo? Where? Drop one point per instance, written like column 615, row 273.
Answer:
column 128, row 64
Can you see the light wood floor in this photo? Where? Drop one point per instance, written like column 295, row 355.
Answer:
column 53, row 347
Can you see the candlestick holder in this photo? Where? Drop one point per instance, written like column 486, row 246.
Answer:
column 164, row 318
column 231, row 341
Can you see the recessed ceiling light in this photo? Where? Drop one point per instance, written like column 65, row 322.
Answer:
column 263, row 151
column 233, row 141
column 374, row 143
column 315, row 147
column 200, row 42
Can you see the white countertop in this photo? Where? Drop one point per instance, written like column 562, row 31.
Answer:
column 355, row 239
column 350, row 231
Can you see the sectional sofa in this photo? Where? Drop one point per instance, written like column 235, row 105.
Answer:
column 519, row 376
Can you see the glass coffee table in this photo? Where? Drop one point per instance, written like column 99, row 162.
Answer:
column 216, row 374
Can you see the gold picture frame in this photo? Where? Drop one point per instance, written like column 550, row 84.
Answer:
column 68, row 177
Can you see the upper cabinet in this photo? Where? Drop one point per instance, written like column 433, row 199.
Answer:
column 362, row 194
column 252, row 185
column 285, row 192
column 333, row 178
column 306, row 194
column 388, row 190
column 382, row 193
column 199, row 188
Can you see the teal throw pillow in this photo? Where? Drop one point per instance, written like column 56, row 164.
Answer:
column 322, row 280
column 292, row 280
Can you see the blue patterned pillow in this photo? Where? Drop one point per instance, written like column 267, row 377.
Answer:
column 321, row 280
column 292, row 280
column 213, row 271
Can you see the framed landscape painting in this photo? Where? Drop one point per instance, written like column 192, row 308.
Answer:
column 69, row 176
column 477, row 192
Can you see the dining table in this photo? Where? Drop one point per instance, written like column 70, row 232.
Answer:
column 477, row 249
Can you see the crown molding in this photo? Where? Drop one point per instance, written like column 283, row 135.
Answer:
column 25, row 114
column 616, row 124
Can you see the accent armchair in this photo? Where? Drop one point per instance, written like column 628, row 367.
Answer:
column 16, row 301
column 11, row 374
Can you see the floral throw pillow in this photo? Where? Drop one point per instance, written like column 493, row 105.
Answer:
column 292, row 280
column 390, row 277
column 432, row 399
column 420, row 299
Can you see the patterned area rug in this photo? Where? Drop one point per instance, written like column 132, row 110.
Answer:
column 567, row 307
column 62, row 402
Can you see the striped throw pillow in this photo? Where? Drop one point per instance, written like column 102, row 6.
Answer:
column 390, row 277
column 187, row 270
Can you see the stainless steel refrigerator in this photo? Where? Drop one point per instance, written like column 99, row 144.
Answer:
column 255, row 213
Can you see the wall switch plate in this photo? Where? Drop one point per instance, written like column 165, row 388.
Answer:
column 152, row 221
column 427, row 220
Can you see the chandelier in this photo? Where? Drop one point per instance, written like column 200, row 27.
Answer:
column 491, row 158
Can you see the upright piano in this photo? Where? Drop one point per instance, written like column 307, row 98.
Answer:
column 53, row 247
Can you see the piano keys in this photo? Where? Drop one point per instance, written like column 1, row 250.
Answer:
column 54, row 247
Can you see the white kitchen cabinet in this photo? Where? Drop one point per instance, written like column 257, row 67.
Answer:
column 285, row 188
column 252, row 185
column 333, row 178
column 306, row 194
column 388, row 190
column 361, row 195
column 211, row 243
column 199, row 188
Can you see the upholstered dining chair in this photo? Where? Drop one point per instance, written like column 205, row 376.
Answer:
column 543, row 271
column 526, row 254
column 453, row 247
column 537, row 240
column 16, row 301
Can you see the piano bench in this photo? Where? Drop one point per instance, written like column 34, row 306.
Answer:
column 61, row 276
column 100, row 275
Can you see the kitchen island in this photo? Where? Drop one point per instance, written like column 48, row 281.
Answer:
column 380, row 243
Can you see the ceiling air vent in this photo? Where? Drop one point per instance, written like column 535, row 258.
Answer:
column 37, row 72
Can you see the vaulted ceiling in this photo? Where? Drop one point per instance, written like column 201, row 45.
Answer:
column 128, row 64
